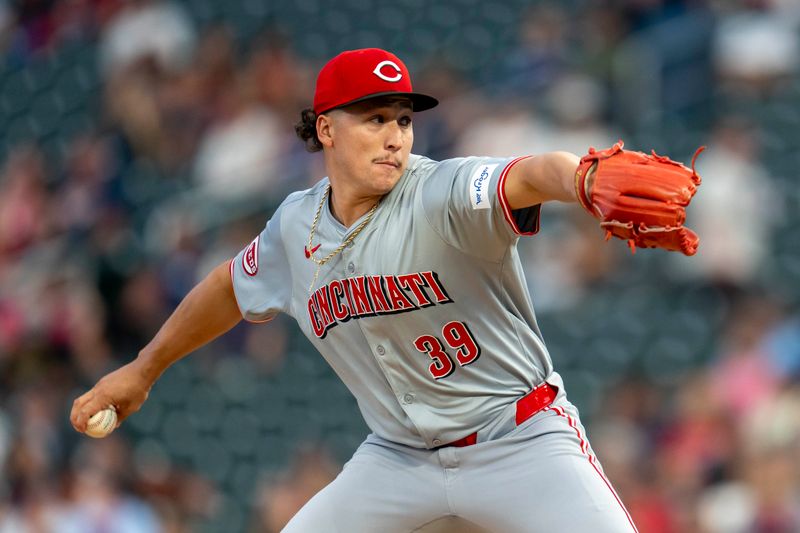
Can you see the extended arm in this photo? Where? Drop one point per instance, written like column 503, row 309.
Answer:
column 640, row 198
column 542, row 178
column 208, row 311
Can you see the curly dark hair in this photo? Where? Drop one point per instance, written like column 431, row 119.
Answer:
column 306, row 130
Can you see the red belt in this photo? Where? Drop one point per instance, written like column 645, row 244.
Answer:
column 527, row 406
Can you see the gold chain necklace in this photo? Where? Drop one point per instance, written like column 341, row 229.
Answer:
column 348, row 240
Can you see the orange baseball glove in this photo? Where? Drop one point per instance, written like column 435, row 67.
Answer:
column 638, row 197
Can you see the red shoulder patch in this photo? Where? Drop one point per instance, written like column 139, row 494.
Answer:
column 250, row 258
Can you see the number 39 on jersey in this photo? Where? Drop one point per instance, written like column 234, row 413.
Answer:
column 459, row 338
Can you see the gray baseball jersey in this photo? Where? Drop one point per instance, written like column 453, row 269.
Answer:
column 426, row 318
column 426, row 315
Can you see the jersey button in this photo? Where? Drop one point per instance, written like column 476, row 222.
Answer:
column 408, row 398
column 437, row 442
column 380, row 349
column 351, row 268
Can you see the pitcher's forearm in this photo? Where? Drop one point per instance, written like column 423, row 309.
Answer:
column 543, row 178
column 208, row 311
column 557, row 177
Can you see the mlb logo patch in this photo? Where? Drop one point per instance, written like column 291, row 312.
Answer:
column 479, row 187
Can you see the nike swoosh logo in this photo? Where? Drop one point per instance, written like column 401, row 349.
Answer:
column 314, row 249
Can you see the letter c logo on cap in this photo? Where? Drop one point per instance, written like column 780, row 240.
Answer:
column 381, row 75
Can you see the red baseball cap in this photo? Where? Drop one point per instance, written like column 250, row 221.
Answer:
column 358, row 75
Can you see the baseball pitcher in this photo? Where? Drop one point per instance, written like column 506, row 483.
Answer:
column 404, row 274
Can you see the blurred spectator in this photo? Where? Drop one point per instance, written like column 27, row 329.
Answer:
column 570, row 119
column 773, row 475
column 756, row 50
column 743, row 378
column 247, row 151
column 89, row 169
column 155, row 29
column 575, row 104
column 771, row 438
column 569, row 256
column 437, row 131
column 540, row 56
column 191, row 99
column 782, row 345
column 24, row 213
column 735, row 188
column 279, row 499
column 239, row 156
column 91, row 500
column 765, row 501
column 98, row 505
column 81, row 317
column 280, row 79
column 697, row 446
column 727, row 508
column 663, row 86
column 774, row 425
column 623, row 439
column 506, row 130
column 600, row 31
column 132, row 106
column 215, row 65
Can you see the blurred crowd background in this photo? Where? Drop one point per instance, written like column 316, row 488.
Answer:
column 142, row 142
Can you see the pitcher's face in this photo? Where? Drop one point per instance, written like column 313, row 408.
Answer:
column 369, row 142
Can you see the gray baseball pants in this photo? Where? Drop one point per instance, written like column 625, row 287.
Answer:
column 541, row 477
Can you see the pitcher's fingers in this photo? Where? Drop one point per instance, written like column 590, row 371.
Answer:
column 79, row 402
column 86, row 410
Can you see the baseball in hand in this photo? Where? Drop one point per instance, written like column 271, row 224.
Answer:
column 102, row 423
